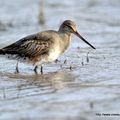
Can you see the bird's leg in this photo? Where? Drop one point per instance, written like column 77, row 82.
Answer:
column 41, row 69
column 56, row 61
column 17, row 70
column 35, row 69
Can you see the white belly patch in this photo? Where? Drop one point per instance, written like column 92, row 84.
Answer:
column 53, row 54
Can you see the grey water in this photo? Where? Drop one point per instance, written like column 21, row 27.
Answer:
column 86, row 86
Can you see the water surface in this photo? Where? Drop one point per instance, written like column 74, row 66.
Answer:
column 91, row 87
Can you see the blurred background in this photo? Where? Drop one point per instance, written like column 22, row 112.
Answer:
column 93, row 84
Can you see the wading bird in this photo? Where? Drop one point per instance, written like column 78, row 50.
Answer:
column 42, row 47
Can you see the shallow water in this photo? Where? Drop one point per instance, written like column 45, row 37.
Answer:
column 92, row 87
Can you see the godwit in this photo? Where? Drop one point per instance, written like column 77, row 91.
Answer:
column 43, row 47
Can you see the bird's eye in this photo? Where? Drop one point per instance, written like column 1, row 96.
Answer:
column 69, row 27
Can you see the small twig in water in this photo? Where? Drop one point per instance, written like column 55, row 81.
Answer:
column 65, row 61
column 91, row 105
column 41, row 16
column 87, row 58
column 82, row 63
column 70, row 67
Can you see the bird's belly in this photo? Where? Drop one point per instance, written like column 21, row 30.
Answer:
column 53, row 55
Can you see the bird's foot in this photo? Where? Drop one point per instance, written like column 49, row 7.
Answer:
column 35, row 69
column 41, row 70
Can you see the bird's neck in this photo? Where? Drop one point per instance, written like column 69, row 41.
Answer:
column 64, row 31
column 65, row 40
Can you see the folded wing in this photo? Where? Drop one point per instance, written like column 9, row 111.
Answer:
column 30, row 46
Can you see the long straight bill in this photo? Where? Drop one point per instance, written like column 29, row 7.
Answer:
column 76, row 33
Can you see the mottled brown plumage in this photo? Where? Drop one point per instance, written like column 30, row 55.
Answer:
column 44, row 46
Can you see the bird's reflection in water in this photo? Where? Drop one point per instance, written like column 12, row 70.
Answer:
column 33, row 85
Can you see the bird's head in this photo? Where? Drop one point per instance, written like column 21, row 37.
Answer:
column 69, row 27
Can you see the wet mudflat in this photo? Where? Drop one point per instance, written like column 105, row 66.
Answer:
column 82, row 88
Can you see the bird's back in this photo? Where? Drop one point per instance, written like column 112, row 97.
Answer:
column 31, row 46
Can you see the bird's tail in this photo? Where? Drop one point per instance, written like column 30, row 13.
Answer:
column 2, row 52
column 6, row 51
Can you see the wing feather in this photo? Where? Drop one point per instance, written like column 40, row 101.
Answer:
column 30, row 46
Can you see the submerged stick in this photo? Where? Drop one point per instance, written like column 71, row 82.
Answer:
column 41, row 16
column 87, row 58
column 82, row 63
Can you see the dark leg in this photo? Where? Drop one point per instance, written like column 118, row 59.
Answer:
column 35, row 69
column 56, row 61
column 17, row 70
column 41, row 70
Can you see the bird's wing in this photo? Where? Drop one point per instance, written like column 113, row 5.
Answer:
column 30, row 46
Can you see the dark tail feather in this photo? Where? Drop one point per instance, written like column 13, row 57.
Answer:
column 2, row 52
